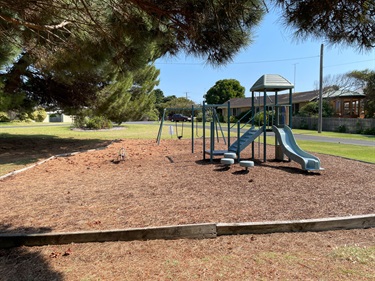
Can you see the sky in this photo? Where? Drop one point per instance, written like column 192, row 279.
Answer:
column 274, row 51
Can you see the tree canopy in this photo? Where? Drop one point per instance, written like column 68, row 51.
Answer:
column 70, row 52
column 349, row 22
column 224, row 90
column 126, row 30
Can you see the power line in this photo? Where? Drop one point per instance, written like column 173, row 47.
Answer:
column 354, row 62
column 245, row 62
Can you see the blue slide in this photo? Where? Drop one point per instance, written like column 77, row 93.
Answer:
column 291, row 149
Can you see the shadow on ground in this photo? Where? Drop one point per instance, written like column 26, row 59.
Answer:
column 25, row 149
column 25, row 263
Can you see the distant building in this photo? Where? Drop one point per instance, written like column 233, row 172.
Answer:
column 347, row 104
column 58, row 117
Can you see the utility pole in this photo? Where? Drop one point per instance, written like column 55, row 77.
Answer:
column 295, row 72
column 320, row 118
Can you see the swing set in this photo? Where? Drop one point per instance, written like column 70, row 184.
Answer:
column 208, row 112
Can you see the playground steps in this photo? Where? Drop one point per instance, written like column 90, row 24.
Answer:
column 248, row 137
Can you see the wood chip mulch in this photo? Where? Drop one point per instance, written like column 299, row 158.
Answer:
column 166, row 184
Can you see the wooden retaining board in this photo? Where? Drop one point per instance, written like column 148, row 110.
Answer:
column 324, row 224
column 196, row 231
column 192, row 231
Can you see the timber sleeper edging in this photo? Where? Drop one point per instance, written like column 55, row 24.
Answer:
column 190, row 231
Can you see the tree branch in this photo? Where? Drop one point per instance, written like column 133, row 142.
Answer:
column 33, row 25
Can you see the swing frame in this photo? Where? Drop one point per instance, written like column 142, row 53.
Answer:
column 216, row 122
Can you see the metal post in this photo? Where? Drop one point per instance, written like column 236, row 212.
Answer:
column 204, row 129
column 160, row 128
column 238, row 140
column 320, row 119
column 290, row 108
column 212, row 141
column 252, row 122
column 264, row 126
column 277, row 107
column 228, row 115
column 192, row 129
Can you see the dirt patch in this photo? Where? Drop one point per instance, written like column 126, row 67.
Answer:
column 167, row 184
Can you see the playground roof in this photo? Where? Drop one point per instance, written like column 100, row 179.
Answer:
column 271, row 83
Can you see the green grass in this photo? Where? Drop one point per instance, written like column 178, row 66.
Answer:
column 335, row 135
column 65, row 131
column 150, row 131
column 355, row 254
column 356, row 152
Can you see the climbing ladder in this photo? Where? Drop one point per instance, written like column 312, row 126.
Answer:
column 247, row 138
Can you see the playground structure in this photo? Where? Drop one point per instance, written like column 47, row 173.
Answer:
column 281, row 124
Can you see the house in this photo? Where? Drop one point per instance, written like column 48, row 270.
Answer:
column 348, row 104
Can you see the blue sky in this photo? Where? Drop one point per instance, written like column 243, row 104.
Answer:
column 274, row 51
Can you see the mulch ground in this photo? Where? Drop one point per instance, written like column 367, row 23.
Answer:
column 166, row 184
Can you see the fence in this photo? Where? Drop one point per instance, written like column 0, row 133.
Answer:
column 345, row 125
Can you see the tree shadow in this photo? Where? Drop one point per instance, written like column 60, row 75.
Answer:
column 25, row 263
column 27, row 149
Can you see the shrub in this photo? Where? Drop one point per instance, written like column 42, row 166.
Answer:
column 98, row 122
column 23, row 116
column 369, row 131
column 246, row 118
column 152, row 115
column 304, row 125
column 342, row 129
column 233, row 119
column 39, row 115
column 199, row 117
column 259, row 117
column 80, row 121
column 358, row 128
column 4, row 117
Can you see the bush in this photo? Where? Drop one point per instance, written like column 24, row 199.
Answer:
column 152, row 115
column 369, row 131
column 199, row 117
column 39, row 115
column 23, row 116
column 260, row 116
column 246, row 118
column 98, row 122
column 358, row 128
column 342, row 129
column 304, row 125
column 233, row 119
column 4, row 117
column 80, row 121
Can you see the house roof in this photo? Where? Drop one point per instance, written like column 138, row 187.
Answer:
column 284, row 98
column 343, row 93
column 271, row 83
